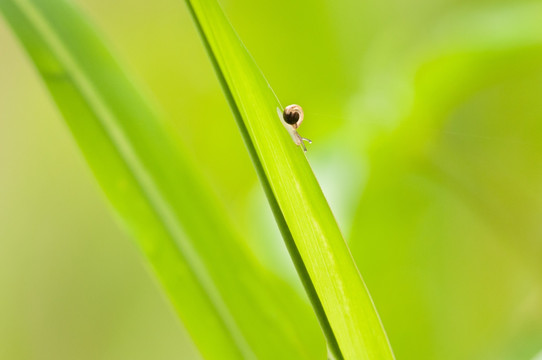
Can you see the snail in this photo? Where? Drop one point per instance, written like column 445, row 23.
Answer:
column 291, row 118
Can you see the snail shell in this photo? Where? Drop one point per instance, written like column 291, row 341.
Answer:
column 293, row 115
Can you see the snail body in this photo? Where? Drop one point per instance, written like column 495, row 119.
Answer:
column 291, row 118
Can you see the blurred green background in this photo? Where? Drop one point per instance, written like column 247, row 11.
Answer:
column 426, row 122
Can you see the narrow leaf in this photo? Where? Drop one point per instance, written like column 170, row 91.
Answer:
column 230, row 305
column 323, row 261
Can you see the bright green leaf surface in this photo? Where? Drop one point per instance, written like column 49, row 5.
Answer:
column 230, row 305
column 339, row 296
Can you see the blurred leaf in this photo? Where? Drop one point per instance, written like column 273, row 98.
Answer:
column 448, row 216
column 230, row 305
column 323, row 261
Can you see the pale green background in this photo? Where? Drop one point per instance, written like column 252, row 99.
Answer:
column 430, row 110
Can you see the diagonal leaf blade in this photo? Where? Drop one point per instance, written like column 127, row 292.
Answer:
column 339, row 297
column 230, row 305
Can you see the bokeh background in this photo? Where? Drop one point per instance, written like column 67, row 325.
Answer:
column 426, row 118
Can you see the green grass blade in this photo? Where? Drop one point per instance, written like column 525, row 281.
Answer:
column 230, row 305
column 338, row 294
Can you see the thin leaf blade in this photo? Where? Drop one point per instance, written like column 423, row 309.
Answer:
column 230, row 305
column 323, row 261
